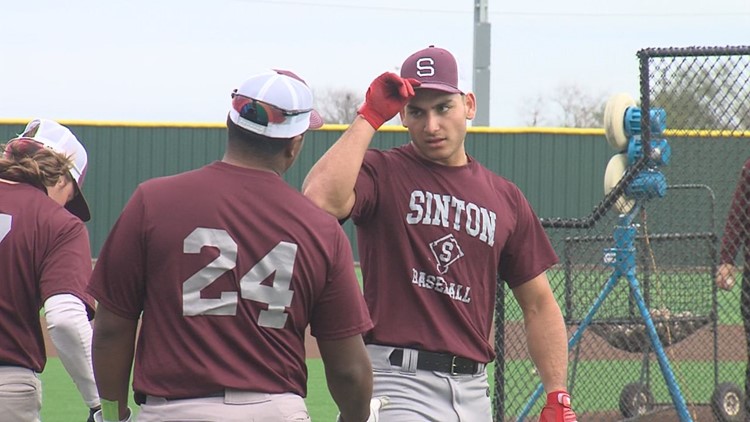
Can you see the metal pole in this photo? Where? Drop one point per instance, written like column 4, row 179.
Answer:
column 482, row 53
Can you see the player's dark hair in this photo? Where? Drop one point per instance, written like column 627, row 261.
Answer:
column 41, row 168
column 254, row 143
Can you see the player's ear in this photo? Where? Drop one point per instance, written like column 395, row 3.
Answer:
column 294, row 147
column 63, row 180
column 470, row 101
column 401, row 115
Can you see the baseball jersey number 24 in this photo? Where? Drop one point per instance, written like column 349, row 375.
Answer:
column 279, row 262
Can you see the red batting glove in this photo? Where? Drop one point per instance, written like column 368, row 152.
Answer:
column 558, row 408
column 386, row 96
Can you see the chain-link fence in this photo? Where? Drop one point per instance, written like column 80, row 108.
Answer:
column 655, row 334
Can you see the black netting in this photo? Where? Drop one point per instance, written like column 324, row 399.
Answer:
column 657, row 250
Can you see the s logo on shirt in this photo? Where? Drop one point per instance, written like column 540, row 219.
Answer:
column 446, row 251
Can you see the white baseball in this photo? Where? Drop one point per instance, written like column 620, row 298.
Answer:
column 729, row 280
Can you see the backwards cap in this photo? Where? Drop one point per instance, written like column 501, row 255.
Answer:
column 276, row 104
column 60, row 139
column 435, row 68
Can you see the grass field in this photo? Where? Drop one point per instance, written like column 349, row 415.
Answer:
column 62, row 403
column 594, row 393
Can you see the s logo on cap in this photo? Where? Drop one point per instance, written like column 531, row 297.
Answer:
column 425, row 67
column 434, row 68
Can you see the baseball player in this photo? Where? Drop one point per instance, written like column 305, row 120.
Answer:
column 45, row 261
column 736, row 238
column 435, row 228
column 225, row 266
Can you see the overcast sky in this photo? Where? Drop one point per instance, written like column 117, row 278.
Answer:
column 178, row 60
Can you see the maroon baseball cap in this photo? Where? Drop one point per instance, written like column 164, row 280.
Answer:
column 435, row 68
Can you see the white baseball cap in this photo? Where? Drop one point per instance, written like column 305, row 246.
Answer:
column 276, row 104
column 60, row 139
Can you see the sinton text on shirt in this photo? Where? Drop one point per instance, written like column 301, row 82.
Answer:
column 448, row 211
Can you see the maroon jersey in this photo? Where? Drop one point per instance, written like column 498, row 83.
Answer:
column 432, row 240
column 737, row 227
column 44, row 251
column 228, row 266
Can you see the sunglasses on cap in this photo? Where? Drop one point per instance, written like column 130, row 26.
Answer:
column 260, row 112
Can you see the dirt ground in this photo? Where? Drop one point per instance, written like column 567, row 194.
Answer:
column 698, row 346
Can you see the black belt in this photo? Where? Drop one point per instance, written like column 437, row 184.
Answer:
column 140, row 398
column 440, row 362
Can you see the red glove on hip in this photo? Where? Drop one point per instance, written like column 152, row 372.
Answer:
column 385, row 97
column 558, row 408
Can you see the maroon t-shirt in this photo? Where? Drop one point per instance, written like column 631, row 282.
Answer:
column 228, row 266
column 432, row 241
column 737, row 227
column 44, row 251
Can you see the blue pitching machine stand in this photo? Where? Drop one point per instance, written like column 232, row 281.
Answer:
column 623, row 128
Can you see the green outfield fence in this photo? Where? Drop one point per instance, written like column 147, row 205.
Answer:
column 560, row 170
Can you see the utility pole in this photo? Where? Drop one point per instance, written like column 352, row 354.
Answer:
column 482, row 55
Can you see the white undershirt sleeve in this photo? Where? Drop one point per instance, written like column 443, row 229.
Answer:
column 70, row 331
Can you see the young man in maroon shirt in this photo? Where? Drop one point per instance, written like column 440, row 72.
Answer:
column 435, row 229
column 225, row 267
column 45, row 260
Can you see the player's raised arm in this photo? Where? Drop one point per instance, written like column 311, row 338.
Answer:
column 330, row 183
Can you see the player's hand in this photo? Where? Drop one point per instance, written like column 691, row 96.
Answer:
column 98, row 417
column 725, row 276
column 558, row 408
column 386, row 96
column 91, row 413
column 376, row 404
